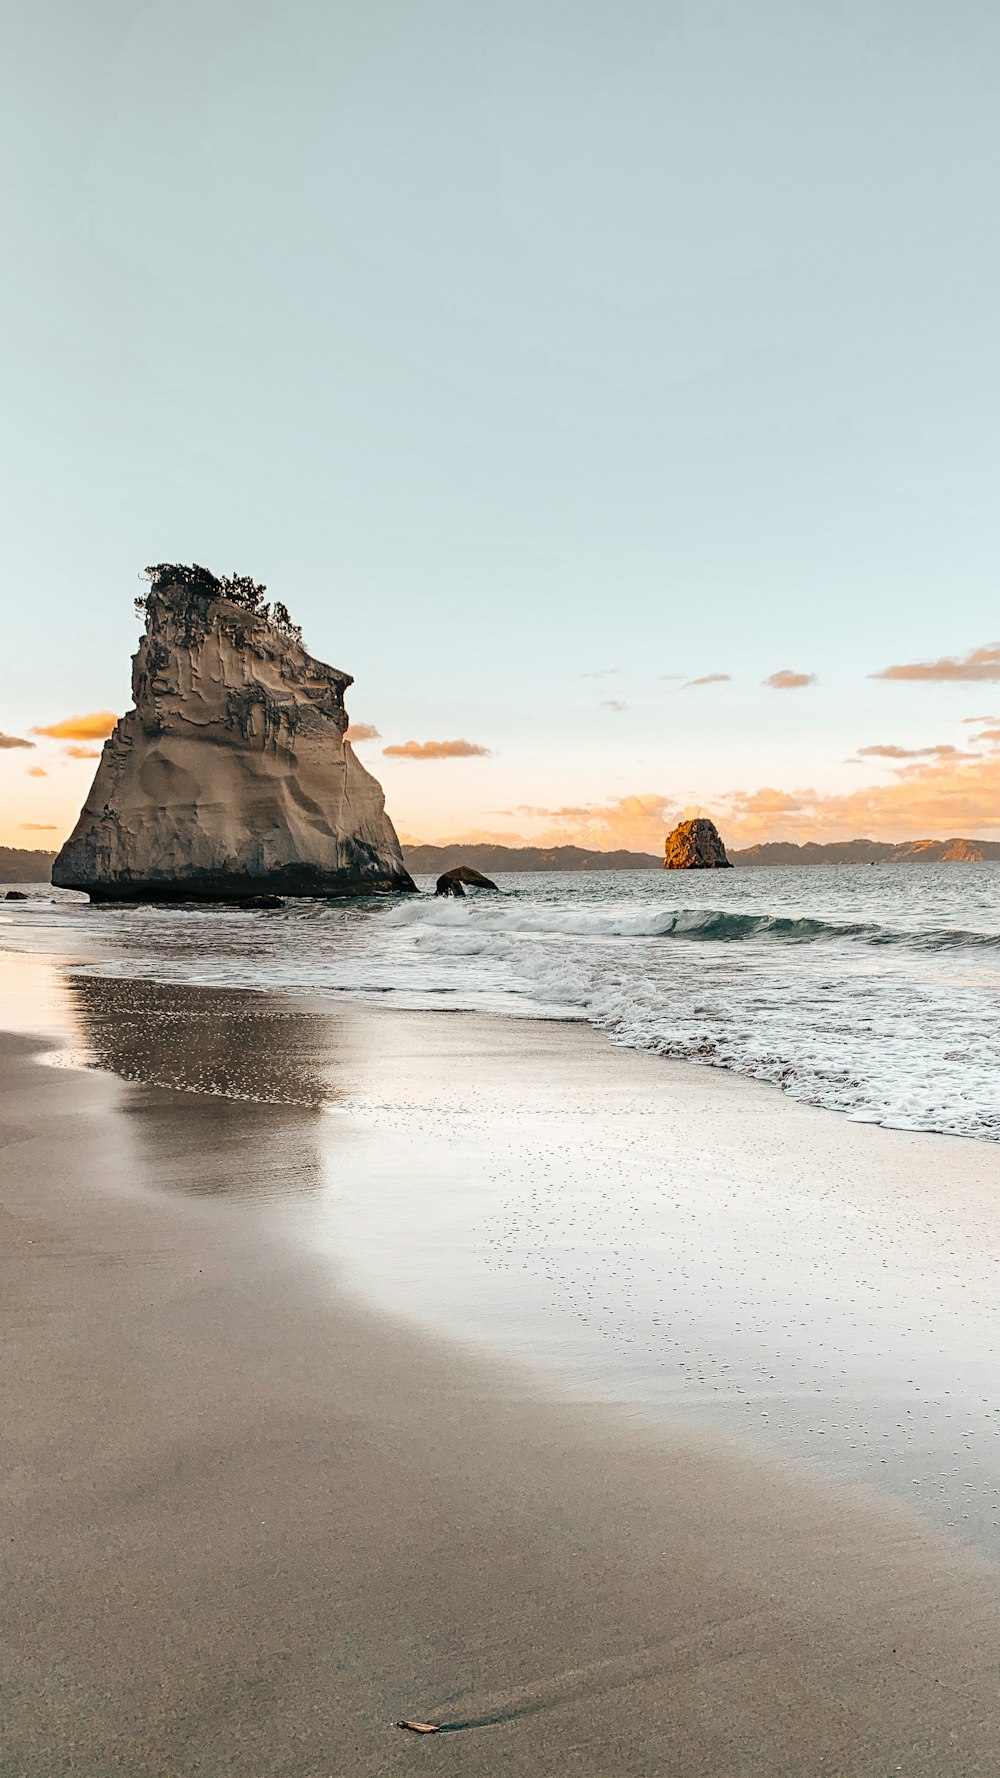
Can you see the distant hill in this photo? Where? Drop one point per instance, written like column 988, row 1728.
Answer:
column 17, row 866
column 430, row 861
column 871, row 852
column 25, row 867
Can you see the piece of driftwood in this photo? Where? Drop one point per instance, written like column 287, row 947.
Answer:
column 421, row 1728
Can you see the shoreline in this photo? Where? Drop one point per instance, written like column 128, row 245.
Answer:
column 884, row 1016
column 685, row 1245
column 255, row 1520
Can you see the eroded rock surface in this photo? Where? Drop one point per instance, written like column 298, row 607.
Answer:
column 231, row 777
column 452, row 880
column 695, row 845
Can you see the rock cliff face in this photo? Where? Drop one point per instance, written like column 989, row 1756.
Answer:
column 695, row 845
column 231, row 777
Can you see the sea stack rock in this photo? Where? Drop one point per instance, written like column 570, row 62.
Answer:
column 231, row 777
column 695, row 845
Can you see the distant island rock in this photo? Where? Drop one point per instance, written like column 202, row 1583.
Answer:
column 231, row 777
column 695, row 845
column 18, row 865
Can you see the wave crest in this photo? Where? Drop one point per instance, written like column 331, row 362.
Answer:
column 711, row 925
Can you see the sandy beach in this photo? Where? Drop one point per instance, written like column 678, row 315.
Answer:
column 500, row 955
column 252, row 1519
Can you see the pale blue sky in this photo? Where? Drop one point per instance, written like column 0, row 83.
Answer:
column 507, row 342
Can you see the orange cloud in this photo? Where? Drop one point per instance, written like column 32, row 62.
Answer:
column 471, row 836
column 7, row 741
column 764, row 803
column 436, row 750
column 978, row 665
column 37, row 772
column 362, row 731
column 708, row 679
column 953, row 796
column 950, row 796
column 939, row 752
column 785, row 680
column 82, row 752
column 634, row 823
column 95, row 727
column 39, row 826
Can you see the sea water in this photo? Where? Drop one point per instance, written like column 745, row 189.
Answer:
column 836, row 1306
column 873, row 991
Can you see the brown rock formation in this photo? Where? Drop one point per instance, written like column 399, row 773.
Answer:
column 231, row 777
column 695, row 845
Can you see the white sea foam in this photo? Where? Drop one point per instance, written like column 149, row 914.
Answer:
column 874, row 992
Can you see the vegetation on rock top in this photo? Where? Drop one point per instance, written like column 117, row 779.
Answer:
column 238, row 589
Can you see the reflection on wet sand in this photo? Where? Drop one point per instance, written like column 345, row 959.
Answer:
column 224, row 1078
column 233, row 1043
column 687, row 1244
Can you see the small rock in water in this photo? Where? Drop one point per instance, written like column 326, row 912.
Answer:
column 449, row 885
column 450, row 882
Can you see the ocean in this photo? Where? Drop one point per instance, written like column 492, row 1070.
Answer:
column 872, row 991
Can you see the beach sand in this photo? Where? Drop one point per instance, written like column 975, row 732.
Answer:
column 249, row 1521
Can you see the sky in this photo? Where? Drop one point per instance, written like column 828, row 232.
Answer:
column 610, row 386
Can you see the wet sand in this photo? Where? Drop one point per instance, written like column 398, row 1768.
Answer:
column 249, row 1522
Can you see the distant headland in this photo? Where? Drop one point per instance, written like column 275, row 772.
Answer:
column 17, row 866
column 431, row 860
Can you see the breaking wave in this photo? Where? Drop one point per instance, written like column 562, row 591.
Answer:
column 709, row 925
column 874, row 993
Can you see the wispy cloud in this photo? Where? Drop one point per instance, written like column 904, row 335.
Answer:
column 601, row 673
column 978, row 666
column 11, row 741
column 616, row 704
column 786, row 680
column 764, row 804
column 635, row 823
column 78, row 752
column 945, row 797
column 707, row 679
column 938, row 752
column 37, row 772
column 362, row 731
column 469, row 836
column 97, row 726
column 39, row 826
column 437, row 750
